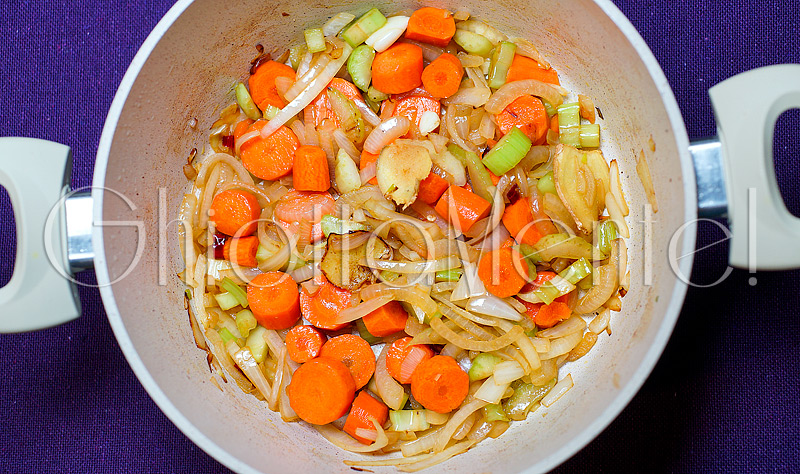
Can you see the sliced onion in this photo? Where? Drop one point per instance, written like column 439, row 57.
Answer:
column 430, row 266
column 333, row 26
column 643, row 170
column 563, row 386
column 413, row 296
column 506, row 372
column 306, row 272
column 367, row 173
column 562, row 345
column 287, row 412
column 472, row 96
column 305, row 63
column 616, row 214
column 413, row 358
column 429, row 52
column 452, row 128
column 208, row 164
column 357, row 312
column 478, row 27
column 600, row 322
column 220, row 353
column 275, row 396
column 388, row 33
column 525, row 345
column 308, row 94
column 342, row 440
column 493, row 306
column 527, row 49
column 389, row 389
column 384, row 133
column 441, row 457
column 310, row 286
column 470, row 285
column 244, row 359
column 470, row 60
column 510, row 91
column 473, row 345
column 490, row 391
column 318, row 63
column 604, row 285
column 345, row 144
column 564, row 328
column 444, row 436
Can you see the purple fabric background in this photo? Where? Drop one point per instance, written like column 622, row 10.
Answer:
column 724, row 396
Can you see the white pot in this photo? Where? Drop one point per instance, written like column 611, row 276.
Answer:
column 184, row 71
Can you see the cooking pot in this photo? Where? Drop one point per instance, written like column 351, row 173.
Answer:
column 172, row 93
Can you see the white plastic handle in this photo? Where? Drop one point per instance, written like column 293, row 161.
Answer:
column 35, row 173
column 765, row 235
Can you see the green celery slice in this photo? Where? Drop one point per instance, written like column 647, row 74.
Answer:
column 369, row 23
column 590, row 135
column 501, row 61
column 546, row 184
column 241, row 297
column 359, row 65
column 569, row 124
column 315, row 40
column 483, row 366
column 245, row 321
column 453, row 274
column 473, row 43
column 505, row 155
column 246, row 103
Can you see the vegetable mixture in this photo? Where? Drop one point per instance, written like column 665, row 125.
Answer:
column 402, row 233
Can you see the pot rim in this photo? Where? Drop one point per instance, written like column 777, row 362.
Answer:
column 547, row 463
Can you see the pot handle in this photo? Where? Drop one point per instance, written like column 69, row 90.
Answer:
column 41, row 292
column 764, row 234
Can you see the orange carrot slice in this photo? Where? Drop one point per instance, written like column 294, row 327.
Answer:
column 431, row 25
column 262, row 84
column 274, row 300
column 323, row 308
column 527, row 68
column 529, row 115
column 442, row 77
column 402, row 360
column 303, row 343
column 235, row 212
column 518, row 220
column 386, row 320
column 241, row 251
column 355, row 353
column 398, row 69
column 440, row 384
column 310, row 172
column 321, row 391
column 462, row 208
column 503, row 272
column 272, row 157
column 365, row 408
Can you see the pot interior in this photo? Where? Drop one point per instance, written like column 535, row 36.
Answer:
column 189, row 76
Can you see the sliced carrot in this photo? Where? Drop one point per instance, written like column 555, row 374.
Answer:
column 412, row 105
column 431, row 25
column 518, row 220
column 509, row 242
column 387, row 320
column 355, row 353
column 554, row 123
column 241, row 128
column 398, row 69
column 527, row 68
column 442, row 77
column 402, row 360
column 320, row 108
column 551, row 314
column 310, row 172
column 322, row 309
column 321, row 391
column 440, row 384
column 462, row 208
column 235, row 212
column 495, row 179
column 272, row 157
column 243, row 251
column 303, row 343
column 365, row 408
column 503, row 272
column 274, row 300
column 367, row 159
column 432, row 188
column 262, row 84
column 298, row 206
column 528, row 114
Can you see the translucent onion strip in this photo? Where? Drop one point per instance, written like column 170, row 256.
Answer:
column 513, row 90
column 471, row 345
column 443, row 456
column 357, row 312
column 383, row 134
column 563, row 386
column 564, row 328
column 389, row 389
column 342, row 440
column 443, row 438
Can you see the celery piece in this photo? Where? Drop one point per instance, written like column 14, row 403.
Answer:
column 454, row 274
column 359, row 31
column 428, row 318
column 479, row 176
column 315, row 40
column 483, row 366
column 226, row 335
column 564, row 282
column 188, row 293
column 473, row 43
column 296, row 54
column 532, row 332
column 590, row 135
column 228, row 285
column 546, row 184
column 586, row 283
column 226, row 301
column 365, row 334
column 245, row 321
column 375, row 106
column 246, row 102
column 525, row 397
column 501, row 61
column 386, row 275
column 294, row 263
column 270, row 112
column 505, row 155
column 359, row 65
column 569, row 124
column 494, row 412
column 375, row 95
column 458, row 152
column 408, row 420
column 333, row 225
column 262, row 253
column 548, row 107
column 352, row 122
column 529, row 253
column 607, row 234
column 257, row 344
